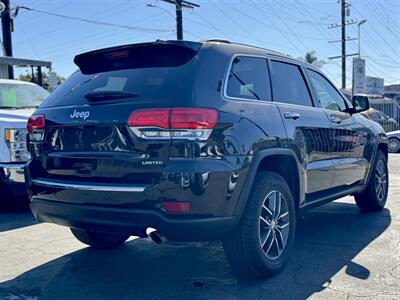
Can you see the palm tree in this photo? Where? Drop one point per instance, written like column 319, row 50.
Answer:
column 312, row 59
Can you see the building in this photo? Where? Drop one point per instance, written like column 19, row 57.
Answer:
column 393, row 91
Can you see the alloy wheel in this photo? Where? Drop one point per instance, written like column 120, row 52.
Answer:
column 274, row 224
column 393, row 145
column 380, row 180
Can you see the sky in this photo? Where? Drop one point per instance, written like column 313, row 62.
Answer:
column 293, row 27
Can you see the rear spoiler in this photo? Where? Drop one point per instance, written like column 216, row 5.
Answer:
column 143, row 55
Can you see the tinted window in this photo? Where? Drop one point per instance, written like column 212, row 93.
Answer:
column 249, row 79
column 289, row 85
column 20, row 95
column 328, row 96
column 148, row 75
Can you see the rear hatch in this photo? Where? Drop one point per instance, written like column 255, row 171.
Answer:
column 87, row 138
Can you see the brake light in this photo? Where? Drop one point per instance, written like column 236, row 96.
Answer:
column 35, row 122
column 117, row 55
column 176, row 123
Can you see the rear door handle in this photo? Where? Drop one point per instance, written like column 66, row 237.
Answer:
column 335, row 120
column 291, row 115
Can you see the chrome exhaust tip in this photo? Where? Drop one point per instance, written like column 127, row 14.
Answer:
column 155, row 236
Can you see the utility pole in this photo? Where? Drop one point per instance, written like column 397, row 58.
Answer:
column 6, row 25
column 345, row 11
column 179, row 5
column 179, row 25
column 343, row 2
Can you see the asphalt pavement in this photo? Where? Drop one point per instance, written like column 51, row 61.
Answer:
column 339, row 253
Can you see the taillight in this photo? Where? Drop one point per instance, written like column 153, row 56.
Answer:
column 150, row 118
column 35, row 127
column 176, row 123
column 35, row 122
column 193, row 118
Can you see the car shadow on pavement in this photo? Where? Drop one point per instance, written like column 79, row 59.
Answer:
column 16, row 216
column 328, row 239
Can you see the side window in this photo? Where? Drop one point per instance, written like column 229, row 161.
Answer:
column 288, row 84
column 249, row 79
column 327, row 95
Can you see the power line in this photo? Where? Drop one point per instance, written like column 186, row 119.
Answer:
column 392, row 4
column 283, row 33
column 298, row 6
column 244, row 29
column 62, row 6
column 312, row 9
column 275, row 27
column 381, row 36
column 379, row 14
column 98, row 15
column 29, row 40
column 95, row 22
column 88, row 37
column 211, row 25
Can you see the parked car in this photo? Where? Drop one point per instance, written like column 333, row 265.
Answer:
column 199, row 141
column 18, row 100
column 388, row 123
column 394, row 141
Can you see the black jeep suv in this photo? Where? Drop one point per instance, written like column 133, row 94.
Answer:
column 198, row 141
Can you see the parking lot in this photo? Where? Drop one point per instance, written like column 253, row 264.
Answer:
column 339, row 253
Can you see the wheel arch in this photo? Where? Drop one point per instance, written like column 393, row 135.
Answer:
column 384, row 148
column 281, row 161
column 381, row 145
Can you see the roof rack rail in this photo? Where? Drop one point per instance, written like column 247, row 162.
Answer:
column 272, row 52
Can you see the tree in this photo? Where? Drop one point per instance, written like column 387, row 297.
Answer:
column 311, row 58
column 27, row 76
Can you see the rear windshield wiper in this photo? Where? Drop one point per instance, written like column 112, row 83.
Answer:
column 18, row 107
column 28, row 106
column 109, row 95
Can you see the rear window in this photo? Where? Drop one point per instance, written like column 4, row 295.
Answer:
column 152, row 72
column 249, row 79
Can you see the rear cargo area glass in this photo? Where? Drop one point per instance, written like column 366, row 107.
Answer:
column 148, row 72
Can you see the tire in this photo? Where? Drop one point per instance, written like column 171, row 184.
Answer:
column 393, row 145
column 374, row 197
column 99, row 240
column 243, row 246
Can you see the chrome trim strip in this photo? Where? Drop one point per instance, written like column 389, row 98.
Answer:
column 90, row 187
column 138, row 132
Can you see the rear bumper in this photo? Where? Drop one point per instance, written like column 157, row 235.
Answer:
column 130, row 221
column 12, row 178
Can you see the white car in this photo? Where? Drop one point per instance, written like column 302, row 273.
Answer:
column 18, row 100
column 393, row 141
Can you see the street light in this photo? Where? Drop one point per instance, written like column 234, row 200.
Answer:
column 154, row 5
column 359, row 35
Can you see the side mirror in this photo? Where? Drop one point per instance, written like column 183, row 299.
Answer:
column 360, row 103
